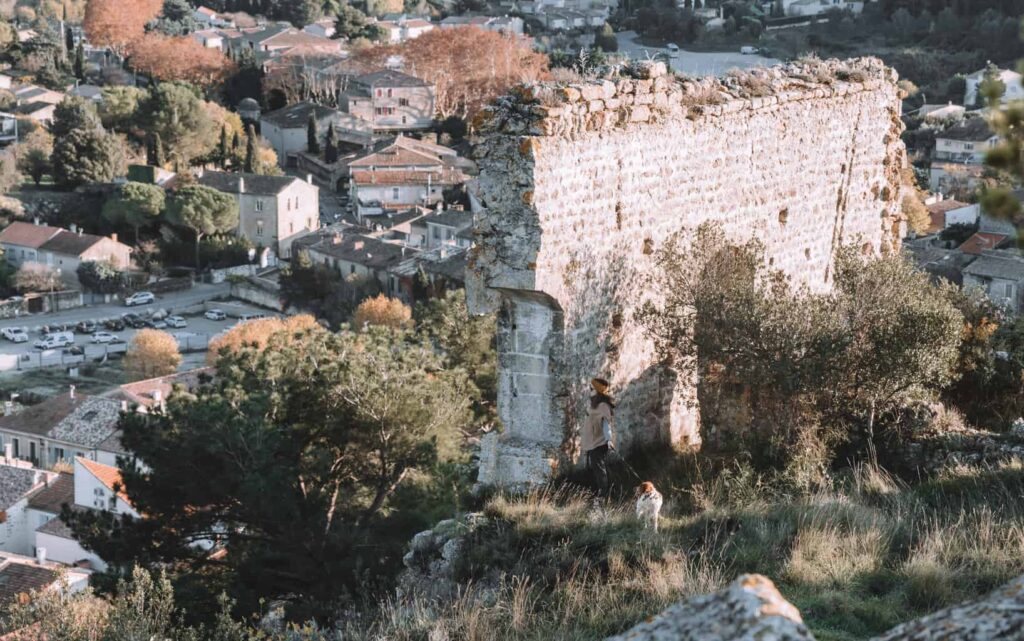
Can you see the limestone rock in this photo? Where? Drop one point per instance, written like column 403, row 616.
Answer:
column 997, row 617
column 749, row 609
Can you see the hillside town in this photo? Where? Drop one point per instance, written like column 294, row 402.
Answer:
column 511, row 319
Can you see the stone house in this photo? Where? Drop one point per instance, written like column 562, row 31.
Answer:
column 360, row 255
column 151, row 394
column 61, row 249
column 1014, row 89
column 22, row 575
column 403, row 173
column 19, row 480
column 949, row 212
column 64, row 427
column 273, row 210
column 210, row 18
column 323, row 28
column 452, row 227
column 1001, row 274
column 967, row 142
column 95, row 486
column 286, row 129
column 391, row 100
column 401, row 28
column 209, row 38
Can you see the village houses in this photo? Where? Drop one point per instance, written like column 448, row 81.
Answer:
column 61, row 249
column 391, row 101
column 286, row 129
column 1014, row 90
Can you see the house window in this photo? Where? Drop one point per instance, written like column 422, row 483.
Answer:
column 259, row 227
column 58, row 454
column 394, row 193
column 378, row 111
column 17, row 447
column 351, row 269
column 380, row 92
column 403, row 120
column 259, row 205
column 403, row 102
column 1008, row 290
column 436, row 233
column 32, row 451
column 291, row 228
column 389, row 93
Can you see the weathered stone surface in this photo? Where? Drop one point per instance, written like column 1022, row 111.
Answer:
column 566, row 233
column 997, row 617
column 749, row 609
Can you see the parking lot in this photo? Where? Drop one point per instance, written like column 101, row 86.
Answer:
column 195, row 336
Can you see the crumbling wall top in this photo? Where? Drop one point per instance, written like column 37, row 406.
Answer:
column 645, row 92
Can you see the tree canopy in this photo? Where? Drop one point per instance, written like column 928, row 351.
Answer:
column 136, row 204
column 202, row 210
column 151, row 353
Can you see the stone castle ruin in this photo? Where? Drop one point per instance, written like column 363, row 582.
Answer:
column 580, row 185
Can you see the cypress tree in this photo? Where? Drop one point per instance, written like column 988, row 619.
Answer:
column 69, row 38
column 224, row 151
column 331, row 152
column 250, row 150
column 79, row 64
column 312, row 140
column 155, row 151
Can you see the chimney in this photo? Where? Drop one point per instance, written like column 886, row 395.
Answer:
column 158, row 395
column 336, row 239
column 71, row 392
column 241, row 184
column 35, row 221
column 80, row 231
column 113, row 237
column 74, row 228
column 357, row 245
column 41, row 556
column 309, row 178
column 124, row 406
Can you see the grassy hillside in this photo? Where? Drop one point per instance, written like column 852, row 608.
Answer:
column 856, row 559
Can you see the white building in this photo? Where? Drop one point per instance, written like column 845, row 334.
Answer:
column 286, row 129
column 273, row 210
column 1014, row 89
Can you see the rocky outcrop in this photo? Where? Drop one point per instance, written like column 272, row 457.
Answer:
column 997, row 617
column 432, row 557
column 752, row 609
column 580, row 185
column 749, row 609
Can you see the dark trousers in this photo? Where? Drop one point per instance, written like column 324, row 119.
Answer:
column 597, row 463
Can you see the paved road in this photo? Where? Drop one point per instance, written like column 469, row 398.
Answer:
column 172, row 302
column 693, row 63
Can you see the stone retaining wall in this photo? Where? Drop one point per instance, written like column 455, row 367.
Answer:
column 580, row 184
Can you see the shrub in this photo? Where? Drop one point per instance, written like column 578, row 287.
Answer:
column 151, row 353
column 383, row 311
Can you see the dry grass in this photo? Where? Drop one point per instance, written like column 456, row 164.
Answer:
column 857, row 559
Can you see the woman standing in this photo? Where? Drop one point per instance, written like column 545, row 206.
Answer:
column 596, row 436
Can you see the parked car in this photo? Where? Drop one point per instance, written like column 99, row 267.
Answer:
column 155, row 323
column 15, row 334
column 176, row 322
column 114, row 324
column 139, row 298
column 105, row 337
column 747, row 50
column 55, row 340
column 86, row 327
column 215, row 315
column 250, row 316
column 74, row 350
column 133, row 320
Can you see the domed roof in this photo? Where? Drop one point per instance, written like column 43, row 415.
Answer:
column 248, row 104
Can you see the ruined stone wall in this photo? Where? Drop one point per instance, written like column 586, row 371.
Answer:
column 580, row 184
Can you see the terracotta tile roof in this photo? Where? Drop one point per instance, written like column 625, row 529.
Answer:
column 946, row 205
column 108, row 475
column 27, row 234
column 66, row 242
column 22, row 578
column 143, row 392
column 397, row 156
column 981, row 242
column 51, row 497
column 408, row 177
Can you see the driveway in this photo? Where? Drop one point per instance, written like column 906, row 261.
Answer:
column 692, row 63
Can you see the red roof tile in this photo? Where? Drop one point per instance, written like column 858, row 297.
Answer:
column 981, row 242
column 27, row 234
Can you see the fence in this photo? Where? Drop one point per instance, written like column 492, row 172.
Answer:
column 187, row 342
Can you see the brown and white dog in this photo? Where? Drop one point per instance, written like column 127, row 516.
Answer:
column 648, row 506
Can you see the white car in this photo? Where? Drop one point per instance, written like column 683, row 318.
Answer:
column 105, row 337
column 53, row 341
column 176, row 322
column 139, row 298
column 215, row 315
column 15, row 334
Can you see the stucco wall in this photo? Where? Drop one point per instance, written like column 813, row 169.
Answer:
column 579, row 186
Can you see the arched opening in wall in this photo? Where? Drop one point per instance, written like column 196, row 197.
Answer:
column 784, row 216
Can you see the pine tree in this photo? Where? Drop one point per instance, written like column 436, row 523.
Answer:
column 312, row 140
column 224, row 151
column 155, row 151
column 250, row 150
column 331, row 152
column 79, row 64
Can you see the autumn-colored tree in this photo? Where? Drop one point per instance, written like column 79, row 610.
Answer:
column 388, row 312
column 151, row 353
column 256, row 333
column 118, row 23
column 469, row 66
column 179, row 58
